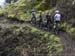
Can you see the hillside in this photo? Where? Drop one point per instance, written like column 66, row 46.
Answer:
column 18, row 37
column 23, row 39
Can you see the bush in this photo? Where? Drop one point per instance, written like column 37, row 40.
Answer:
column 16, row 39
column 1, row 12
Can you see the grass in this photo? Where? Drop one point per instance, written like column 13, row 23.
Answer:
column 51, row 42
column 16, row 39
column 1, row 12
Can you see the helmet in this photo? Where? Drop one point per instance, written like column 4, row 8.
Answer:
column 57, row 11
column 40, row 11
column 33, row 10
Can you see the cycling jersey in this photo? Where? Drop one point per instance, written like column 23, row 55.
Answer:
column 57, row 17
column 33, row 14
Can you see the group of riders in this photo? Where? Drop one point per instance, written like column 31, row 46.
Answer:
column 56, row 20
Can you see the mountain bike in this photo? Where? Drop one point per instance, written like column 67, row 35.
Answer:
column 56, row 27
column 33, row 20
column 49, row 24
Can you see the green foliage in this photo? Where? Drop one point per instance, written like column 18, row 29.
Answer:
column 1, row 12
column 18, row 10
column 41, row 6
column 71, row 32
column 41, row 38
column 69, row 29
column 18, row 38
column 21, row 8
column 9, row 1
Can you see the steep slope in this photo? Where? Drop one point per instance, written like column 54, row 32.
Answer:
column 18, row 39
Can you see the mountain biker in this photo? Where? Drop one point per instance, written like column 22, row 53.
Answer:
column 33, row 19
column 48, row 18
column 40, row 19
column 57, row 19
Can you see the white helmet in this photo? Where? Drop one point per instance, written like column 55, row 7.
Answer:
column 57, row 11
column 33, row 10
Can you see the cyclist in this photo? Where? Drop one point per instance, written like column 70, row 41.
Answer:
column 57, row 19
column 33, row 19
column 48, row 18
column 40, row 19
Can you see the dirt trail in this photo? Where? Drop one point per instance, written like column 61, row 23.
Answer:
column 69, row 45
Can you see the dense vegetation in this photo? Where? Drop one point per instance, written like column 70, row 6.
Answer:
column 17, row 40
column 9, row 1
column 67, row 8
column 21, row 10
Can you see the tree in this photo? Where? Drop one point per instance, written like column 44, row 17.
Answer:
column 67, row 8
column 9, row 1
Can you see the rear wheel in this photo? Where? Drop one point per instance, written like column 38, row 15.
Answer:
column 56, row 30
column 33, row 21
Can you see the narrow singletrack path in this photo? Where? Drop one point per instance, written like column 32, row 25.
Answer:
column 69, row 45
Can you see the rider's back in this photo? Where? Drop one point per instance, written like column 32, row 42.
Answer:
column 33, row 14
column 57, row 17
column 48, row 17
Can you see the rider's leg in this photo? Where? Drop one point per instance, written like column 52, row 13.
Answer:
column 47, row 23
column 57, row 26
column 39, row 23
column 34, row 20
column 31, row 19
